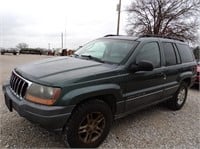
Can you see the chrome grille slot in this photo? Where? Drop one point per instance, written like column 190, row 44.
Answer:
column 13, row 81
column 18, row 85
column 15, row 85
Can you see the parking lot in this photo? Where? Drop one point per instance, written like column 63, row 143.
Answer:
column 155, row 127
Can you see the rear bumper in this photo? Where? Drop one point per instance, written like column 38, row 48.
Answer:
column 197, row 80
column 52, row 117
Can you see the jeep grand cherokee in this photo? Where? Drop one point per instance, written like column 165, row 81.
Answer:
column 106, row 79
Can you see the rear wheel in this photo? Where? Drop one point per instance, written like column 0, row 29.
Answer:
column 89, row 125
column 179, row 98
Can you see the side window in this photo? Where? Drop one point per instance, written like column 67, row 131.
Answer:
column 169, row 52
column 150, row 52
column 178, row 58
column 185, row 53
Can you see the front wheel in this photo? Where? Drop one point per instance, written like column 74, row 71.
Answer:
column 179, row 98
column 89, row 125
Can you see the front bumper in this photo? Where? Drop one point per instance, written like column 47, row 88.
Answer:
column 52, row 117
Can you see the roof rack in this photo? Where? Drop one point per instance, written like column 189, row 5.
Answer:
column 161, row 36
column 111, row 35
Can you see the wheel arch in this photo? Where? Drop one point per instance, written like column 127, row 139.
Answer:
column 186, row 77
column 109, row 93
column 187, row 81
column 109, row 99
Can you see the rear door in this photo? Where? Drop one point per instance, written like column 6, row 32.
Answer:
column 172, row 68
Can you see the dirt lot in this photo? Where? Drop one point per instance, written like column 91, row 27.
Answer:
column 155, row 127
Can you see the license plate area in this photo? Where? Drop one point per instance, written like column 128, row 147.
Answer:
column 8, row 103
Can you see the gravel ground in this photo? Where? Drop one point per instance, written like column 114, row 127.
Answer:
column 155, row 127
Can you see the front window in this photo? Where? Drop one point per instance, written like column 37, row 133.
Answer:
column 107, row 50
column 149, row 52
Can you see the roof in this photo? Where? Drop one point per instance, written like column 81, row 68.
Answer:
column 145, row 37
column 112, row 36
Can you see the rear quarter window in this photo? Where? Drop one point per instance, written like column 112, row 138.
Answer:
column 185, row 53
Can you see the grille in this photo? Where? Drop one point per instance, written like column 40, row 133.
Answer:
column 18, row 85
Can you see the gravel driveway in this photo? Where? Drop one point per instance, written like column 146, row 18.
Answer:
column 155, row 127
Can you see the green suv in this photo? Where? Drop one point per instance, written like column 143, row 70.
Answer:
column 104, row 80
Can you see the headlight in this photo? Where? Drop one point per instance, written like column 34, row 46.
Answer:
column 42, row 94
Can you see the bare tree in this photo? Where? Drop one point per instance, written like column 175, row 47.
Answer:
column 22, row 45
column 175, row 18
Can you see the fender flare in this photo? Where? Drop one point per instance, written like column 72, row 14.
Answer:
column 185, row 75
column 78, row 95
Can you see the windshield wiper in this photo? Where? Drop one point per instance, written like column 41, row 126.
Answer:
column 93, row 58
column 75, row 55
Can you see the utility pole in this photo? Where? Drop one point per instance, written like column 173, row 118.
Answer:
column 61, row 40
column 119, row 11
column 65, row 39
column 49, row 46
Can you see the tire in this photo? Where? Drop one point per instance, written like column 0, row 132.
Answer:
column 198, row 86
column 177, row 102
column 89, row 125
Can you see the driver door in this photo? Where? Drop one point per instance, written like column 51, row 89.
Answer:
column 145, row 87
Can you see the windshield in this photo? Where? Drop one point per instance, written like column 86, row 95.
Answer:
column 107, row 50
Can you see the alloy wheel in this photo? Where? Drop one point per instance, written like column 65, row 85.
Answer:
column 91, row 127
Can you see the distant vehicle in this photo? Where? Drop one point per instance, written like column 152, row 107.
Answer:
column 197, row 80
column 11, row 50
column 67, row 52
column 51, row 52
column 30, row 51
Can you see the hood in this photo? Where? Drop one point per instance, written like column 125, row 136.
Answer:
column 59, row 70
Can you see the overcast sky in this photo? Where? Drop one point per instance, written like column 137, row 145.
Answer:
column 39, row 22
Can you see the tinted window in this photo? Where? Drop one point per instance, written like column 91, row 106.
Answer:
column 149, row 52
column 170, row 56
column 177, row 54
column 185, row 53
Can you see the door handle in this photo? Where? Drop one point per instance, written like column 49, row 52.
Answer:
column 164, row 76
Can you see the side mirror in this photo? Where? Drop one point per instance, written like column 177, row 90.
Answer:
column 142, row 66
